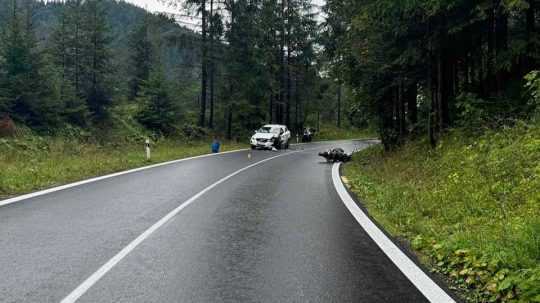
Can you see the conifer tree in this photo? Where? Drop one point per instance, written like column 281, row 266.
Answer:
column 141, row 48
column 159, row 112
column 96, row 67
column 25, row 93
column 66, row 55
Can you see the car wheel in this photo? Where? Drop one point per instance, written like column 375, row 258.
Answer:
column 277, row 143
column 253, row 147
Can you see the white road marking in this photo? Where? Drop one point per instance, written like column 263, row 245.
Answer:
column 433, row 292
column 96, row 276
column 79, row 183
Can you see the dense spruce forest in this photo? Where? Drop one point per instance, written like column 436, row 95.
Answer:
column 70, row 62
column 417, row 67
column 421, row 67
column 78, row 62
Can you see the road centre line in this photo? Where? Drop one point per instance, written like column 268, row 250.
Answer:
column 79, row 183
column 96, row 276
column 95, row 179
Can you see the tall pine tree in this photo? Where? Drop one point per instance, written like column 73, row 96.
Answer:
column 141, row 48
column 25, row 93
column 96, row 68
column 158, row 111
column 66, row 55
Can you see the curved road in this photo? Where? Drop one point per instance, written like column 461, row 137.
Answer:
column 274, row 232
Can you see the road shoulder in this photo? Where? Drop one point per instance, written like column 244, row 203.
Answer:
column 402, row 258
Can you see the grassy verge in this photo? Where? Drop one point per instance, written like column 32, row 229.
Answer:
column 35, row 163
column 470, row 208
column 332, row 132
column 32, row 163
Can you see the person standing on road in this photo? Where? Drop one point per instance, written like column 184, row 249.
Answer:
column 216, row 145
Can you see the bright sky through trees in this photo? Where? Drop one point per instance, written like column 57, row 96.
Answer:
column 160, row 6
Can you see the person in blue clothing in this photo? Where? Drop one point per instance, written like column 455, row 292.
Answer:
column 216, row 145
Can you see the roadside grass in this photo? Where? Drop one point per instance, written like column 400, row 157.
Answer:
column 471, row 207
column 33, row 163
column 332, row 132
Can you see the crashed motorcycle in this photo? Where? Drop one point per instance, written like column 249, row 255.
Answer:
column 336, row 155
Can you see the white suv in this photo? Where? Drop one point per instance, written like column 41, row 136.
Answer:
column 271, row 136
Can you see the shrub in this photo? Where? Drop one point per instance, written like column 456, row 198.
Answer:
column 532, row 86
column 193, row 132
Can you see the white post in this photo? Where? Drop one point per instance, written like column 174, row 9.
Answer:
column 297, row 138
column 147, row 147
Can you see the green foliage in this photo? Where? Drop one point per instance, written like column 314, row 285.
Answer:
column 95, row 67
column 25, row 90
column 88, row 56
column 159, row 111
column 33, row 163
column 471, row 205
column 64, row 74
column 331, row 132
column 272, row 81
column 141, row 57
column 454, row 53
column 472, row 114
column 532, row 86
column 194, row 132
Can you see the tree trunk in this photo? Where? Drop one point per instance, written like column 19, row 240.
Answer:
column 229, row 122
column 401, row 105
column 64, row 53
column 529, row 58
column 212, row 66
column 445, row 78
column 288, row 104
column 77, row 59
column 432, row 88
column 492, row 53
column 387, row 111
column 283, row 68
column 296, row 104
column 202, row 113
column 440, row 93
column 433, row 118
column 211, row 114
column 501, row 40
column 271, row 109
column 339, row 105
column 412, row 109
column 466, row 72
column 319, row 121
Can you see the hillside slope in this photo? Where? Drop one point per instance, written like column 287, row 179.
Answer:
column 471, row 207
column 180, row 50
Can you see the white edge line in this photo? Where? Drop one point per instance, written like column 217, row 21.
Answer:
column 78, row 183
column 433, row 292
column 95, row 179
column 96, row 276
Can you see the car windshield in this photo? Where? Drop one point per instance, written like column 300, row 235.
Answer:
column 268, row 130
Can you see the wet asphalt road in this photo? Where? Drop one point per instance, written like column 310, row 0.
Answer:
column 277, row 232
